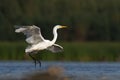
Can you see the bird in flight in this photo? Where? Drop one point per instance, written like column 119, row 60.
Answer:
column 36, row 41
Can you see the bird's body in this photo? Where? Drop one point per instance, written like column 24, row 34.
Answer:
column 37, row 42
column 39, row 46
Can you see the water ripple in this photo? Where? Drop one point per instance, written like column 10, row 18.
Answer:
column 74, row 70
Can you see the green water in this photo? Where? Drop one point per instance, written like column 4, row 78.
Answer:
column 73, row 51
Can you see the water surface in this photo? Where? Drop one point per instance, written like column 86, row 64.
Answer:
column 73, row 70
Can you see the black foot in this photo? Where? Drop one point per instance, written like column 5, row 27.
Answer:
column 39, row 62
column 35, row 60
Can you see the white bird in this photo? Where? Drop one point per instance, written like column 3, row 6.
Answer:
column 37, row 42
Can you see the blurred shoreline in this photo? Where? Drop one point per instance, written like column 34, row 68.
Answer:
column 73, row 51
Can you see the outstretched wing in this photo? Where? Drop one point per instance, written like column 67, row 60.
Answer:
column 55, row 48
column 33, row 34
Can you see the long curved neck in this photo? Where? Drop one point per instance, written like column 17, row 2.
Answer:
column 54, row 34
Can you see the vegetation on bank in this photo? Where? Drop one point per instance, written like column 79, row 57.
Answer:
column 88, row 20
column 73, row 51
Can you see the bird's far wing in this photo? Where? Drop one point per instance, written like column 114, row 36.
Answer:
column 33, row 33
column 55, row 48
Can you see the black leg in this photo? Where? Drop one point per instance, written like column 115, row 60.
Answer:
column 33, row 59
column 39, row 62
column 35, row 63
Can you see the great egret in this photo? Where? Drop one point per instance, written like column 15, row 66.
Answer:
column 37, row 42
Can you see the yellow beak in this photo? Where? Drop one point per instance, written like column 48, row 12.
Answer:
column 63, row 26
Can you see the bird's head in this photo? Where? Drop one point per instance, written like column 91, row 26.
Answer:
column 60, row 26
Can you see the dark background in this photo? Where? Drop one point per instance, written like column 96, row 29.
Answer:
column 93, row 32
column 88, row 20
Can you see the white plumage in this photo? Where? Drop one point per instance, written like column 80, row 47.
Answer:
column 36, row 41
